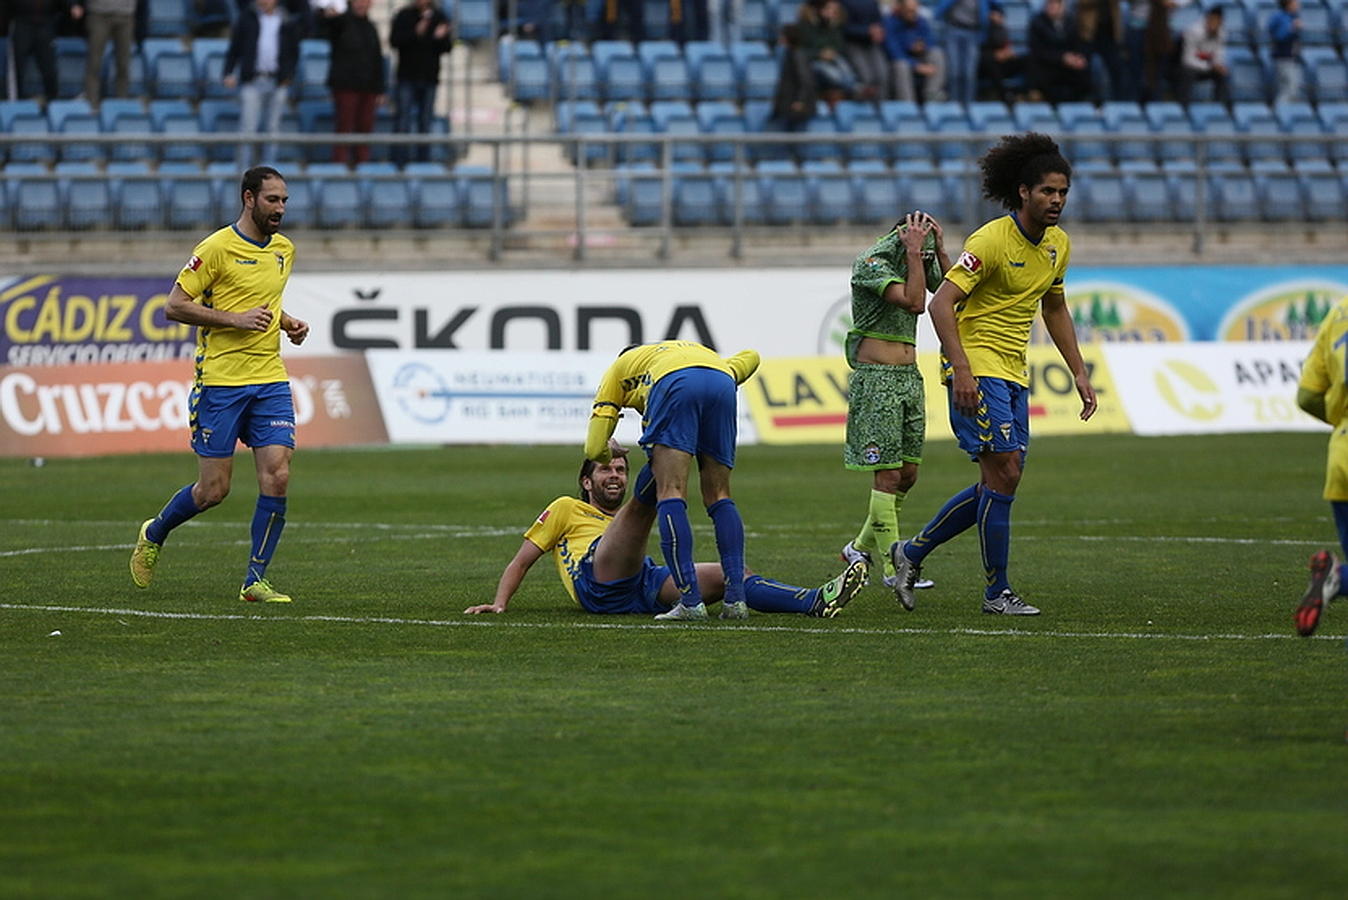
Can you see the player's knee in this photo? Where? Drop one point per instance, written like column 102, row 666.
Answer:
column 210, row 493
column 907, row 478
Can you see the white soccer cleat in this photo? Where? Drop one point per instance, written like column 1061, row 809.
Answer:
column 682, row 613
column 737, row 610
column 1008, row 603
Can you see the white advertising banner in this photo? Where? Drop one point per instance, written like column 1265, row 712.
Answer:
column 1195, row 388
column 444, row 397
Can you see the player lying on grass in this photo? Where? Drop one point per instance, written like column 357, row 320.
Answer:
column 599, row 545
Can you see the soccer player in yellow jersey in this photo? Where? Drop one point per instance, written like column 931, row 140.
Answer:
column 1011, row 268
column 231, row 290
column 599, row 545
column 1323, row 392
column 686, row 394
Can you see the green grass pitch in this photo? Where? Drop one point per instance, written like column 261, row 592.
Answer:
column 1159, row 731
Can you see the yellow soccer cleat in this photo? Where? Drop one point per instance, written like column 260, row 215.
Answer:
column 262, row 592
column 144, row 557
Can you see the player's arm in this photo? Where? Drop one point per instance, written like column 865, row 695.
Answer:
column 182, row 308
column 911, row 293
column 1058, row 321
column 963, row 387
column 529, row 553
column 608, row 401
column 1313, row 402
column 938, row 233
column 743, row 365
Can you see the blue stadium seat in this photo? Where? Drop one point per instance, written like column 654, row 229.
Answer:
column 1148, row 191
column 1318, row 24
column 484, row 197
column 904, row 118
column 712, row 71
column 219, row 115
column 1099, row 193
column 1079, row 121
column 208, row 58
column 1301, row 121
column 1322, row 189
column 821, row 125
column 695, row 200
column 758, row 21
column 35, row 195
column 167, row 18
column 125, row 116
column 189, row 201
column 1279, row 193
column 1037, row 116
column 524, row 69
column 665, row 69
column 1232, row 196
column 756, row 69
column 1326, row 74
column 676, row 117
column 1182, row 183
column 315, row 117
column 177, row 117
column 137, row 81
column 85, row 195
column 337, row 196
column 1169, row 119
column 657, row 20
column 743, row 190
column 633, row 118
column 619, row 71
column 1016, row 15
column 928, row 189
column 436, row 199
column 311, row 72
column 1213, row 120
column 1240, row 27
column 72, row 55
column 990, row 117
column 1126, row 117
column 829, row 191
column 1257, row 119
column 169, row 69
column 720, row 117
column 786, row 199
column 1248, row 75
column 1334, row 120
column 572, row 72
column 947, row 116
column 21, row 120
column 135, row 195
column 575, row 117
column 641, row 191
column 875, row 192
column 858, row 118
column 475, row 19
column 387, row 195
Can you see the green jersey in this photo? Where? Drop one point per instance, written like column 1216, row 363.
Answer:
column 885, row 263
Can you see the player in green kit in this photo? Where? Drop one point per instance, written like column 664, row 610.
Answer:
column 1010, row 269
column 886, row 410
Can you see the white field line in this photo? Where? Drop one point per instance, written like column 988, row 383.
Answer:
column 497, row 622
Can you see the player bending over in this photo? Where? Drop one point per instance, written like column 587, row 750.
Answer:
column 599, row 545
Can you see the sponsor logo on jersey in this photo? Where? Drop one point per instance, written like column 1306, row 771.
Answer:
column 970, row 262
column 246, row 262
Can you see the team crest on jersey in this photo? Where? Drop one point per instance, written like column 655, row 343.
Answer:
column 970, row 262
column 870, row 454
column 193, row 264
column 280, row 262
column 1052, row 256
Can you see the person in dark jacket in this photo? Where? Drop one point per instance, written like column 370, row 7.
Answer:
column 421, row 35
column 32, row 32
column 1059, row 65
column 864, row 46
column 356, row 76
column 264, row 49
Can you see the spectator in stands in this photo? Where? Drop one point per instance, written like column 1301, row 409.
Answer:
column 864, row 45
column 794, row 98
column 301, row 12
column 264, row 50
column 819, row 30
column 421, row 35
column 606, row 14
column 1150, row 47
column 1060, row 69
column 356, row 76
column 1284, row 29
column 966, row 23
column 1203, row 57
column 917, row 64
column 1100, row 26
column 107, row 20
column 211, row 18
column 31, row 25
column 1000, row 64
column 688, row 20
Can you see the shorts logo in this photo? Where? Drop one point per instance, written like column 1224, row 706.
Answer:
column 970, row 262
column 1005, row 429
column 870, row 454
column 280, row 423
column 193, row 264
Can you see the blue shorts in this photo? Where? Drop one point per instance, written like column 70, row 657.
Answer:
column 639, row 593
column 1002, row 424
column 694, row 410
column 260, row 415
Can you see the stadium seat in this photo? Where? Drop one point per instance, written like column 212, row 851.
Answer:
column 314, row 117
column 657, row 20
column 1181, row 178
column 35, row 195
column 642, row 193
column 475, row 19
column 1322, row 189
column 169, row 69
column 990, row 117
column 903, row 118
column 737, row 188
column 875, row 192
column 1240, row 27
column 1232, row 196
column 72, row 56
column 1099, row 193
column 676, row 117
column 1166, row 118
column 1334, row 121
column 857, row 118
column 484, row 197
column 947, row 116
column 577, row 117
column 75, row 117
column 1016, row 15
column 1248, row 75
column 829, row 191
column 632, row 118
column 1300, row 121
column 927, row 188
column 1079, row 121
column 135, row 195
column 1036, row 116
column 337, row 197
column 177, row 117
column 572, row 72
column 665, row 69
column 1148, row 192
column 137, row 81
column 712, row 71
column 435, row 193
column 388, row 196
column 1258, row 119
column 123, row 116
column 694, row 201
column 189, row 201
column 219, row 115
column 1326, row 74
column 1125, row 117
column 720, row 117
column 782, row 187
column 85, row 195
column 1318, row 25
column 311, row 73
column 21, row 120
column 1213, row 121
column 1279, row 193
column 524, row 69
column 758, row 21
column 756, row 69
column 821, row 126
column 208, row 58
column 167, row 18
column 618, row 70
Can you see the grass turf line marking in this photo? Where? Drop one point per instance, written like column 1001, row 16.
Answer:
column 493, row 622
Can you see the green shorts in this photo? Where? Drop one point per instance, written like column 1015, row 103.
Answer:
column 886, row 417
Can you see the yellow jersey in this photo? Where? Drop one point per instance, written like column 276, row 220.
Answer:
column 233, row 273
column 1326, row 367
column 567, row 528
column 1004, row 275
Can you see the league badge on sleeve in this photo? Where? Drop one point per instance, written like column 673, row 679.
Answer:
column 970, row 262
column 193, row 264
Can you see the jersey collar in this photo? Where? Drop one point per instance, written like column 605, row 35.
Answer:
column 235, row 226
column 1015, row 218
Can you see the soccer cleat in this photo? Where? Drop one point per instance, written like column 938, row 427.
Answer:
column 1008, row 603
column 737, row 610
column 906, row 575
column 682, row 613
column 838, row 592
column 921, row 584
column 1324, row 587
column 850, row 554
column 144, row 557
column 262, row 592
